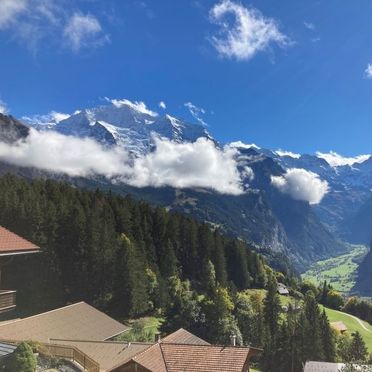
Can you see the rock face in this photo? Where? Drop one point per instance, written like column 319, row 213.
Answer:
column 364, row 282
column 11, row 130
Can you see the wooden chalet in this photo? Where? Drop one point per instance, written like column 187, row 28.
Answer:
column 11, row 245
column 82, row 334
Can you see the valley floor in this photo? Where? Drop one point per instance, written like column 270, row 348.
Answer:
column 338, row 271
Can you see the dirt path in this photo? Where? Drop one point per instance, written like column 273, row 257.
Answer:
column 357, row 319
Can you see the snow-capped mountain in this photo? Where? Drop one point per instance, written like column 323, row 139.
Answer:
column 123, row 123
column 350, row 187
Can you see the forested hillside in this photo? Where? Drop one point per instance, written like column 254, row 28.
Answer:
column 131, row 260
column 115, row 252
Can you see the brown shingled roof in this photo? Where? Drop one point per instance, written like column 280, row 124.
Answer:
column 77, row 321
column 182, row 336
column 11, row 244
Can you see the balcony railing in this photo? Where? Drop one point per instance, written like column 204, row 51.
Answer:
column 7, row 300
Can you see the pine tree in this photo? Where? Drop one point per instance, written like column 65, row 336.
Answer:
column 328, row 339
column 358, row 349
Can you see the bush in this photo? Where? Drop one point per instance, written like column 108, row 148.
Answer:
column 23, row 359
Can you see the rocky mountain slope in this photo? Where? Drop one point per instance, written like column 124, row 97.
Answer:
column 275, row 222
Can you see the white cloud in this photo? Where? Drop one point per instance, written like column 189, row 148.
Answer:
column 240, row 144
column 162, row 105
column 9, row 10
column 32, row 21
column 368, row 71
column 55, row 152
column 199, row 164
column 135, row 105
column 250, row 32
column 309, row 25
column 301, row 185
column 3, row 108
column 287, row 153
column 84, row 31
column 196, row 112
column 336, row 160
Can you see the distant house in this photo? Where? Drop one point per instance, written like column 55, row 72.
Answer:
column 11, row 245
column 331, row 367
column 339, row 326
column 81, row 333
column 282, row 289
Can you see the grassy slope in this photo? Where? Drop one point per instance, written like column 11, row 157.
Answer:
column 339, row 271
column 352, row 325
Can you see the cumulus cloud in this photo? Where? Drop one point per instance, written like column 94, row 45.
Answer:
column 249, row 33
column 196, row 112
column 162, row 105
column 31, row 21
column 287, row 153
column 301, row 184
column 336, row 160
column 84, row 31
column 3, row 107
column 9, row 10
column 198, row 164
column 368, row 71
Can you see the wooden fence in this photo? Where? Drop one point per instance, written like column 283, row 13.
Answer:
column 74, row 354
column 66, row 352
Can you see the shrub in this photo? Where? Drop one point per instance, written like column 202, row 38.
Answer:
column 23, row 359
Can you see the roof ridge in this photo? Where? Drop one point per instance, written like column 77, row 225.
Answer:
column 46, row 312
column 211, row 345
column 162, row 354
column 104, row 342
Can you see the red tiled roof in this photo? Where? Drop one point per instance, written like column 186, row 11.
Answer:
column 184, row 337
column 173, row 357
column 11, row 243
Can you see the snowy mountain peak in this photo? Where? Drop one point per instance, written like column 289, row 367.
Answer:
column 123, row 123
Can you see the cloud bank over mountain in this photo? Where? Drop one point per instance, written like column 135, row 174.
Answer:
column 180, row 165
column 301, row 184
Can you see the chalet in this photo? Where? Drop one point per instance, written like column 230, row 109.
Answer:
column 11, row 245
column 339, row 327
column 332, row 367
column 282, row 289
column 84, row 335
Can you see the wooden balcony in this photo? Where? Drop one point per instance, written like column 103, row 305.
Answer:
column 7, row 300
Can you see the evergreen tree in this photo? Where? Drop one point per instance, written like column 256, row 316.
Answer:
column 358, row 349
column 328, row 339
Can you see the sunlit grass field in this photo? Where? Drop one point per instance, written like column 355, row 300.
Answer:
column 352, row 325
column 339, row 271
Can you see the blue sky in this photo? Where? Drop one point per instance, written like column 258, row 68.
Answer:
column 301, row 85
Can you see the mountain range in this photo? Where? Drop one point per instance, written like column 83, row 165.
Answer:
column 283, row 227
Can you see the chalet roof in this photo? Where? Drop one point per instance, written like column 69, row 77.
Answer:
column 77, row 321
column 12, row 244
column 108, row 354
column 184, row 337
column 323, row 367
column 173, row 357
column 339, row 326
